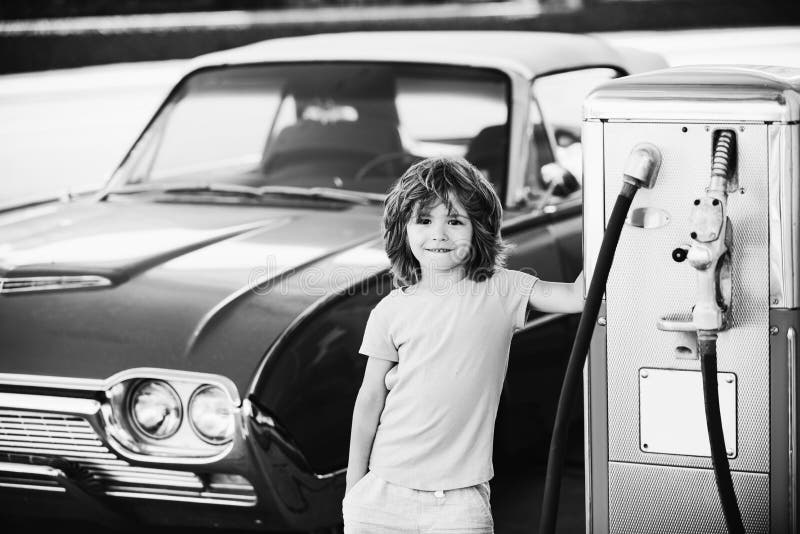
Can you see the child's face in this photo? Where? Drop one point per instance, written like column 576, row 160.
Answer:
column 440, row 239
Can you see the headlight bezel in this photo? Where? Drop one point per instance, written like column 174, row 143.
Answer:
column 185, row 446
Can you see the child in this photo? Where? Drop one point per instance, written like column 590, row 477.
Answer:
column 421, row 451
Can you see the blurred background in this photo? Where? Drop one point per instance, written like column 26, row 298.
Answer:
column 79, row 79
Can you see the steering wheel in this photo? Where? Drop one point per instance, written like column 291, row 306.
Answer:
column 382, row 159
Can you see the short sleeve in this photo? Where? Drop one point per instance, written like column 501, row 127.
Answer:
column 517, row 290
column 377, row 341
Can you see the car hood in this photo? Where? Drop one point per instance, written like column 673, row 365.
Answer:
column 193, row 287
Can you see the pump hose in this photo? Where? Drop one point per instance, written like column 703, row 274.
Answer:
column 724, row 155
column 572, row 377
column 707, row 348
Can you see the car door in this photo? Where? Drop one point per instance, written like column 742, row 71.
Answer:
column 546, row 233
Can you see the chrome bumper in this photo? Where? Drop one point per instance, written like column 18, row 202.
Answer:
column 59, row 444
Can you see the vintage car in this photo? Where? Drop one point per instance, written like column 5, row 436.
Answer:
column 181, row 347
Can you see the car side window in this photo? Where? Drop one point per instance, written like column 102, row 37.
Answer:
column 555, row 166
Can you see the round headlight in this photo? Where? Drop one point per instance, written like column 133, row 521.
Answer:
column 211, row 414
column 155, row 409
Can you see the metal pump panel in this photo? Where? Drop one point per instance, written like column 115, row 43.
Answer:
column 648, row 464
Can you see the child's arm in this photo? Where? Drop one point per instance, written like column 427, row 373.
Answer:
column 555, row 297
column 366, row 415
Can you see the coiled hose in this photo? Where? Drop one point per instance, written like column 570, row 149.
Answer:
column 724, row 155
column 572, row 377
column 707, row 349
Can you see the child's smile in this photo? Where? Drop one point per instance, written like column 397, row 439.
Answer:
column 440, row 239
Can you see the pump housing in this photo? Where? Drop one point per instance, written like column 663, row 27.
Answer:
column 648, row 466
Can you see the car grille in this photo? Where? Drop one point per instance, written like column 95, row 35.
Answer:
column 72, row 438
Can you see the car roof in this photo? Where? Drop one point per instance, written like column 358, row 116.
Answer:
column 527, row 53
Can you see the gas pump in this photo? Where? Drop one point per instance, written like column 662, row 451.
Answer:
column 691, row 380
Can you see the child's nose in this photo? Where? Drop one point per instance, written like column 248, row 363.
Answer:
column 440, row 232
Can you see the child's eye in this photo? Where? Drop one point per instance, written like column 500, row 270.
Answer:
column 455, row 221
column 423, row 220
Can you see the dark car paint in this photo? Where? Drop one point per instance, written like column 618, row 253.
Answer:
column 202, row 262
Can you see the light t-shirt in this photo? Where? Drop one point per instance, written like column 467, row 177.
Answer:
column 436, row 430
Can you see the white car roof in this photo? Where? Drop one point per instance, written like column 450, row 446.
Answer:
column 526, row 53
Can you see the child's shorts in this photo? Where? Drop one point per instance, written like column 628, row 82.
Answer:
column 375, row 506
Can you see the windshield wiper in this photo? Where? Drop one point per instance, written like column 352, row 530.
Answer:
column 328, row 193
column 323, row 192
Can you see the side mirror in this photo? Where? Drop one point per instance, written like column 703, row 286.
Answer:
column 559, row 180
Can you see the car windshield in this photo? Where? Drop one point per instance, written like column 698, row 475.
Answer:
column 354, row 126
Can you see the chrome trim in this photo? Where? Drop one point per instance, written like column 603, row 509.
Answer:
column 79, row 444
column 153, row 484
column 76, row 437
column 121, row 448
column 791, row 349
column 32, row 284
column 46, row 403
column 55, row 489
column 705, row 93
column 629, row 108
column 587, row 448
column 104, row 421
column 202, row 498
column 142, row 449
column 59, row 382
column 784, row 213
column 541, row 321
column 519, row 106
column 549, row 209
column 118, row 474
column 594, row 216
column 332, row 474
column 93, row 384
column 38, row 470
column 50, row 482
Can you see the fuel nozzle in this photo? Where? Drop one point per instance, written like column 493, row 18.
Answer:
column 711, row 239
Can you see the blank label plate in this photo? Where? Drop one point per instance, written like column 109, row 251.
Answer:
column 672, row 417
